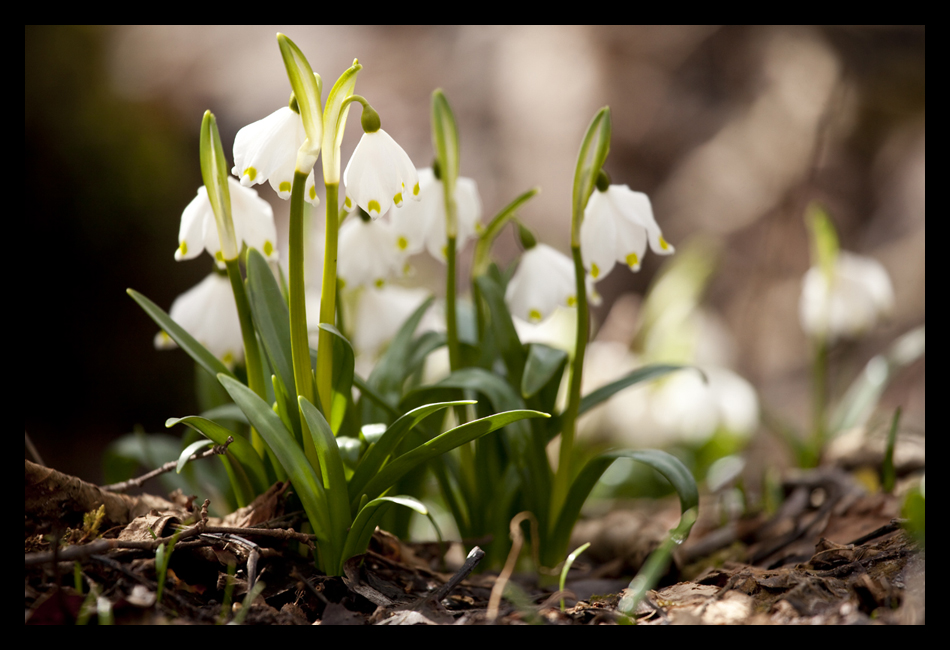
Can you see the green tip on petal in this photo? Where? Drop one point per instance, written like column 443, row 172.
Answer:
column 634, row 261
column 397, row 199
column 663, row 243
column 402, row 243
column 251, row 173
column 285, row 186
column 534, row 315
column 415, row 190
column 373, row 206
column 268, row 248
column 594, row 271
column 183, row 248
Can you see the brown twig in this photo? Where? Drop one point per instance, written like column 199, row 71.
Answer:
column 216, row 450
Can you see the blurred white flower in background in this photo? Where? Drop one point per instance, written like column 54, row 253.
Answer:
column 847, row 304
column 369, row 254
column 207, row 312
column 421, row 225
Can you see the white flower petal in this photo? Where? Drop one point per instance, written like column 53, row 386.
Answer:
column 379, row 174
column 544, row 280
column 617, row 225
column 368, row 253
column 207, row 312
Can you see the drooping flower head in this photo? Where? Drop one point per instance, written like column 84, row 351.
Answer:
column 266, row 150
column 544, row 279
column 618, row 223
column 849, row 301
column 207, row 311
column 253, row 221
column 368, row 253
column 380, row 172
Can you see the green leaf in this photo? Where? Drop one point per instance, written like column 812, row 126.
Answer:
column 666, row 464
column 862, row 396
column 367, row 519
column 646, row 373
column 188, row 452
column 342, row 377
column 214, row 174
column 271, row 317
column 544, row 364
column 240, row 448
column 185, row 341
column 503, row 328
column 378, row 453
column 291, row 457
column 442, row 443
column 331, row 465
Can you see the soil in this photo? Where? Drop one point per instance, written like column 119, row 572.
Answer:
column 832, row 554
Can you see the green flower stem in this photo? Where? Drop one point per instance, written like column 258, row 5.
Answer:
column 328, row 301
column 819, row 399
column 565, row 473
column 252, row 352
column 299, row 341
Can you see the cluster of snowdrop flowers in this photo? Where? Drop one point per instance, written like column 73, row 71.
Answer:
column 253, row 221
column 372, row 252
column 422, row 225
column 847, row 303
column 618, row 224
column 207, row 311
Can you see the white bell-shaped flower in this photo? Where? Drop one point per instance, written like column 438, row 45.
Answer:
column 544, row 279
column 207, row 312
column 379, row 175
column 266, row 150
column 857, row 297
column 253, row 224
column 368, row 253
column 617, row 225
column 422, row 225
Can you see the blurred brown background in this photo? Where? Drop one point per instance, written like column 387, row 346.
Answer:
column 730, row 130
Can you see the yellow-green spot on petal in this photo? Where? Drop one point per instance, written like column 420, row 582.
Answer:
column 348, row 203
column 285, row 187
column 268, row 248
column 380, row 283
column 572, row 301
column 228, row 360
column 397, row 199
column 415, row 190
column 594, row 271
column 534, row 316
column 251, row 173
column 183, row 247
column 663, row 243
column 219, row 256
column 633, row 260
column 373, row 206
column 313, row 192
column 402, row 243
column 445, row 251
column 342, row 283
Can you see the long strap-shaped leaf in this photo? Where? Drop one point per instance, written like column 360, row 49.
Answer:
column 379, row 453
column 308, row 487
column 441, row 444
column 331, row 468
column 271, row 317
column 666, row 464
column 365, row 523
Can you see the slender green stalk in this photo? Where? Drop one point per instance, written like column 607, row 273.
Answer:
column 252, row 351
column 328, row 301
column 819, row 402
column 562, row 479
column 299, row 340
